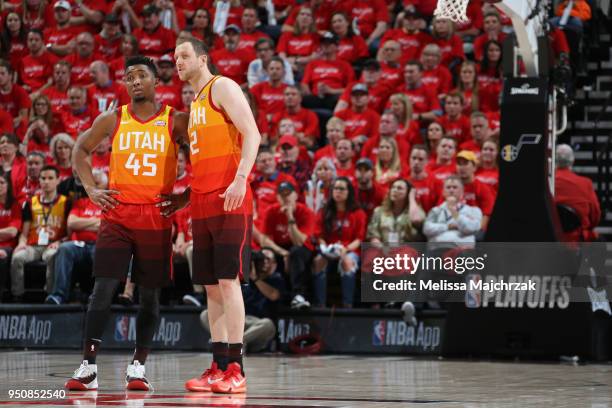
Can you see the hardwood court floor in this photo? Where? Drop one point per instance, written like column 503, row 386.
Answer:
column 322, row 381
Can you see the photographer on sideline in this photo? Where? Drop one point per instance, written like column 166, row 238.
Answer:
column 265, row 291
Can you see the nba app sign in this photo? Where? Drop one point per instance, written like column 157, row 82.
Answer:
column 168, row 332
column 25, row 328
column 397, row 333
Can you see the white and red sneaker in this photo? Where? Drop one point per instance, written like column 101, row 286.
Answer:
column 233, row 381
column 204, row 382
column 85, row 378
column 135, row 379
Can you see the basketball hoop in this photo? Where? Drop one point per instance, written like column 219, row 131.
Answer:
column 454, row 10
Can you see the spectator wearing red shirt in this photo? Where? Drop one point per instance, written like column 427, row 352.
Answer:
column 36, row 68
column 408, row 131
column 270, row 95
column 409, row 36
column 37, row 136
column 267, row 179
column 128, row 48
column 306, row 121
column 229, row 60
column 41, row 108
column 325, row 78
column 334, row 133
column 84, row 223
column 454, row 122
column 168, row 90
column 10, row 224
column 577, row 193
column 59, row 38
column 450, row 43
column 13, row 98
column 290, row 161
column 492, row 31
column 361, row 123
column 108, row 41
column 321, row 12
column 391, row 68
column 13, row 39
column 343, row 223
column 490, row 72
column 472, row 26
column 202, row 28
column 351, row 47
column 257, row 73
column 372, row 18
column 80, row 60
column 154, row 39
column 61, row 146
column 105, row 92
column 12, row 160
column 425, row 104
column 388, row 128
column 435, row 132
column 369, row 194
column 378, row 91
column 467, row 85
column 475, row 193
column 79, row 116
column 427, row 188
column 435, row 75
column 100, row 157
column 445, row 164
column 479, row 132
column 231, row 15
column 250, row 34
column 299, row 45
column 6, row 122
column 58, row 91
column 317, row 189
column 288, row 229
column 34, row 162
column 488, row 172
column 388, row 165
column 345, row 152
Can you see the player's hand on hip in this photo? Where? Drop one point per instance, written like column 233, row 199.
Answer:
column 234, row 194
column 171, row 203
column 103, row 198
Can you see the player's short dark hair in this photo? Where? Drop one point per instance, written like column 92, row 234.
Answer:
column 142, row 60
column 50, row 167
column 198, row 45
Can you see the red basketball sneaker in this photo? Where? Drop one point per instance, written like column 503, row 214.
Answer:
column 233, row 381
column 204, row 382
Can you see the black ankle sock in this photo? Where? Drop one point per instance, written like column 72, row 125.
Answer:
column 140, row 354
column 219, row 350
column 234, row 354
column 91, row 350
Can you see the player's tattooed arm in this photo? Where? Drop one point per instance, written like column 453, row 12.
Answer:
column 102, row 127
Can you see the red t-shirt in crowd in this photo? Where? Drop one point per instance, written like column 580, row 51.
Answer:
column 85, row 208
column 109, row 48
column 423, row 98
column 439, row 79
column 10, row 218
column 368, row 14
column 377, row 95
column 325, row 151
column 79, row 73
column 60, row 36
column 346, row 228
column 294, row 45
column 450, row 48
column 15, row 100
column 428, row 191
column 246, row 44
column 391, row 76
column 322, row 15
column 101, row 98
column 17, row 51
column 479, row 195
column 59, row 100
column 183, row 223
column 28, row 190
column 76, row 123
column 117, row 67
column 232, row 64
column 358, row 124
column 264, row 190
column 35, row 71
column 305, row 121
column 276, row 226
column 352, row 48
column 270, row 99
column 101, row 162
column 169, row 94
column 457, row 128
column 411, row 44
column 489, row 177
column 6, row 122
column 441, row 172
column 335, row 74
column 370, row 148
column 161, row 41
column 482, row 39
column 370, row 199
column 577, row 192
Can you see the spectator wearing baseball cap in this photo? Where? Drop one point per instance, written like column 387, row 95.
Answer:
column 378, row 91
column 368, row 193
column 475, row 192
column 306, row 121
column 230, row 61
column 291, row 162
column 409, row 34
column 351, row 47
column 59, row 36
column 361, row 121
column 155, row 40
column 288, row 229
column 108, row 41
column 325, row 78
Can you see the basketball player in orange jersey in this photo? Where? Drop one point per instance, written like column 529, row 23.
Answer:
column 223, row 140
column 143, row 163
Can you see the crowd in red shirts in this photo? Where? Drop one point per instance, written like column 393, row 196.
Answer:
column 362, row 91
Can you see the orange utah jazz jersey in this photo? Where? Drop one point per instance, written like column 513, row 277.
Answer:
column 214, row 144
column 143, row 157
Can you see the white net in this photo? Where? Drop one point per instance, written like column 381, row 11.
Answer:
column 452, row 9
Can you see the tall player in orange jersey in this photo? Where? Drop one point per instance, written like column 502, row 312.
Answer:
column 144, row 137
column 223, row 139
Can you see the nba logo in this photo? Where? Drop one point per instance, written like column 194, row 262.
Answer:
column 378, row 334
column 473, row 297
column 122, row 325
